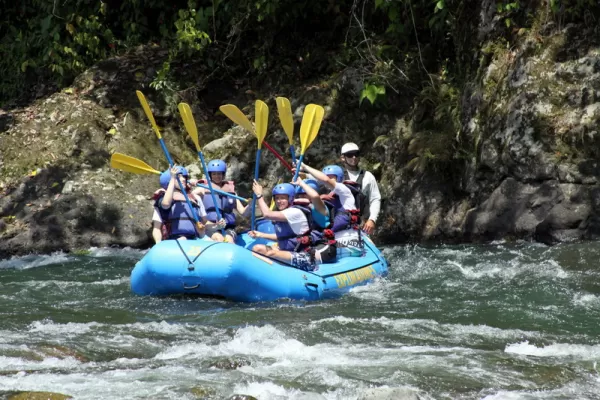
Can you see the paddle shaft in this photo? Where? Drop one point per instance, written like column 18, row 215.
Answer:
column 181, row 188
column 276, row 154
column 298, row 167
column 233, row 196
column 293, row 152
column 256, row 165
column 212, row 193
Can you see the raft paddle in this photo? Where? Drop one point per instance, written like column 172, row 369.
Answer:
column 262, row 120
column 311, row 122
column 236, row 115
column 284, row 109
column 192, row 130
column 136, row 166
column 150, row 116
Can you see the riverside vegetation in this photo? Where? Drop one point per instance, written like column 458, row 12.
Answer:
column 478, row 117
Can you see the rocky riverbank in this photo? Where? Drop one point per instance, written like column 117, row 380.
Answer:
column 524, row 164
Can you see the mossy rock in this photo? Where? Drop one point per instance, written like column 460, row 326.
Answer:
column 229, row 363
column 242, row 397
column 38, row 396
column 202, row 392
column 61, row 352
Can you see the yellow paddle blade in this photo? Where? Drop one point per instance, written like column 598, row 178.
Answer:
column 285, row 116
column 261, row 120
column 131, row 164
column 148, row 112
column 306, row 126
column 237, row 116
column 189, row 123
column 316, row 124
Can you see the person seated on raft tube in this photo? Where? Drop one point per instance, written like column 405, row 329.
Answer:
column 345, row 219
column 299, row 242
column 173, row 211
column 216, row 170
column 307, row 194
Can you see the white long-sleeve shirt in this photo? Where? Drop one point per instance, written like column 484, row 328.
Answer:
column 370, row 188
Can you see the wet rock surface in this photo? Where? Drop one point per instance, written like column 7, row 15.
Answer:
column 532, row 173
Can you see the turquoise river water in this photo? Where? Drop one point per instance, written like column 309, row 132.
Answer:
column 497, row 321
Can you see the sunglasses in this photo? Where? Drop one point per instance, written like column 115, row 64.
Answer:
column 352, row 154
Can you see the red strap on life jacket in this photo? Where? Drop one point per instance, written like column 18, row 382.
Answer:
column 156, row 195
column 304, row 240
column 328, row 234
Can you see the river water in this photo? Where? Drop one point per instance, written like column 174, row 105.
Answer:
column 497, row 321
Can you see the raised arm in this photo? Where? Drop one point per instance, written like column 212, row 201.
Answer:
column 167, row 199
column 318, row 175
column 264, row 208
column 314, row 197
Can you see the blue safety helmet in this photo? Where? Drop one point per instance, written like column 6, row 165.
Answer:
column 165, row 177
column 334, row 170
column 217, row 166
column 310, row 182
column 285, row 188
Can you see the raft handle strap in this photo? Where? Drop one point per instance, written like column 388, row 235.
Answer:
column 313, row 285
column 190, row 287
column 191, row 266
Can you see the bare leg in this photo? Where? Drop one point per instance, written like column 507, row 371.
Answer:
column 277, row 254
column 260, row 249
column 217, row 237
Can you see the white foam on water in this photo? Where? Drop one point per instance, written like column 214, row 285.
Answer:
column 65, row 285
column 430, row 329
column 511, row 269
column 70, row 328
column 34, row 261
column 18, row 363
column 114, row 384
column 505, row 395
column 127, row 252
column 561, row 350
column 379, row 289
column 263, row 390
column 573, row 390
column 586, row 300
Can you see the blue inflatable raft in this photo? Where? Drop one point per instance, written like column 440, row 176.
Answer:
column 233, row 272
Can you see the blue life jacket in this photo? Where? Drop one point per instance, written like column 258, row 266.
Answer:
column 340, row 217
column 225, row 204
column 290, row 241
column 321, row 222
column 179, row 219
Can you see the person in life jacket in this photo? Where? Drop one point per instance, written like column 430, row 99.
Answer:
column 307, row 194
column 216, row 171
column 299, row 243
column 365, row 186
column 344, row 215
column 173, row 218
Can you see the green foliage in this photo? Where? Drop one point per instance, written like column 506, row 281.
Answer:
column 389, row 41
column 190, row 35
column 372, row 93
column 506, row 9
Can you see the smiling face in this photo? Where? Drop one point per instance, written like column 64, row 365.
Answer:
column 217, row 177
column 282, row 201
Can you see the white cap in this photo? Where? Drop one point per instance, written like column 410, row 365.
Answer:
column 348, row 147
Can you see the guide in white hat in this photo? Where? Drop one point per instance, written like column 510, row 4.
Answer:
column 350, row 156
